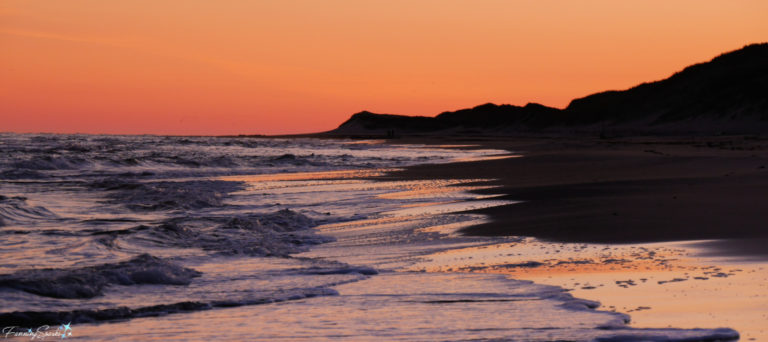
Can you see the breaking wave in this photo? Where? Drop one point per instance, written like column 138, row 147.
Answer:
column 16, row 210
column 277, row 234
column 166, row 195
column 89, row 282
column 48, row 163
column 36, row 318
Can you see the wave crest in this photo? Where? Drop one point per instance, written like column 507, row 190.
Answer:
column 276, row 234
column 16, row 210
column 167, row 195
column 89, row 282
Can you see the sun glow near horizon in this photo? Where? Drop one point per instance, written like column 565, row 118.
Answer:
column 273, row 67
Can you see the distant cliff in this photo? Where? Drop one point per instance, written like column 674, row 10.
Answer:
column 727, row 94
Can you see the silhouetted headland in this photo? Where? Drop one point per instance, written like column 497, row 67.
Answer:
column 684, row 158
column 727, row 95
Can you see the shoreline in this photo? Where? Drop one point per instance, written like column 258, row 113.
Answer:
column 631, row 190
column 697, row 196
column 659, row 285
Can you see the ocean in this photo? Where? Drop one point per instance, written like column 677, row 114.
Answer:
column 249, row 238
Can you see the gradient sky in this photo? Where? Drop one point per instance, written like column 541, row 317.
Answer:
column 273, row 67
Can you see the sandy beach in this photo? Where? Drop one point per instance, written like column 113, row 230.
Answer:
column 670, row 230
column 623, row 190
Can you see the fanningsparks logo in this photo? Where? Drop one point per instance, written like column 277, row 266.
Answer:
column 41, row 333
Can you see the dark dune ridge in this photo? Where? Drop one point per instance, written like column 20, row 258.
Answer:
column 728, row 94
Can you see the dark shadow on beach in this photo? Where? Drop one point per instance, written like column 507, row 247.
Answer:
column 623, row 190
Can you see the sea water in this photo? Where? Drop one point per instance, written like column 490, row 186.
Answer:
column 247, row 238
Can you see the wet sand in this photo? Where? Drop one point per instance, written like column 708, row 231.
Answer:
column 671, row 230
column 660, row 285
column 622, row 190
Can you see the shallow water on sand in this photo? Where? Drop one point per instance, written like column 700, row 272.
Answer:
column 668, row 284
column 140, row 238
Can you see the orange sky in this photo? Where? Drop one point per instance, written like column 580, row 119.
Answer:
column 271, row 67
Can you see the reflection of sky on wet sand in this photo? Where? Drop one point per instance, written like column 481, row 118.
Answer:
column 658, row 284
column 342, row 174
column 506, row 156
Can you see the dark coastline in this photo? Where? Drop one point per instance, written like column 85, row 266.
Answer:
column 683, row 158
column 642, row 189
column 722, row 96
